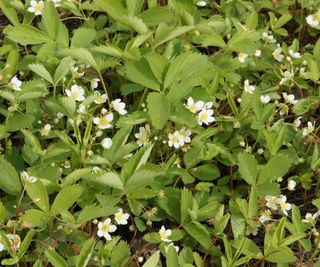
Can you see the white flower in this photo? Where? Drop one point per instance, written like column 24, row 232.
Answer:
column 1, row 247
column 95, row 83
column 291, row 185
column 277, row 54
column 271, row 202
column 201, row 4
column 314, row 19
column 164, row 234
column 143, row 135
column 25, row 177
column 171, row 245
column 205, row 116
column 104, row 122
column 265, row 216
column 60, row 115
column 303, row 73
column 309, row 218
column 185, row 135
column 105, row 228
column 265, row 99
column 15, row 83
column 106, row 143
column 284, row 205
column 309, row 129
column 194, row 107
column 46, row 130
column 268, row 37
column 36, row 7
column 76, row 93
column 294, row 54
column 75, row 72
column 297, row 123
column 247, row 87
column 56, row 2
column 81, row 109
column 242, row 57
column 290, row 99
column 284, row 109
column 176, row 139
column 257, row 53
column 100, row 99
column 119, row 106
column 15, row 241
column 287, row 76
column 121, row 218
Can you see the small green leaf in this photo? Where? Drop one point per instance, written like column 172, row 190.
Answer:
column 85, row 254
column 54, row 258
column 38, row 193
column 153, row 260
column 41, row 71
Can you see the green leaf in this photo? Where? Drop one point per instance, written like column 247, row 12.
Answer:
column 142, row 178
column 199, row 233
column 10, row 181
column 110, row 179
column 50, row 19
column 159, row 109
column 171, row 256
column 75, row 176
column 184, row 66
column 314, row 73
column 113, row 7
column 248, row 167
column 41, row 71
column 85, row 254
column 153, row 260
column 282, row 20
column 82, row 37
column 18, row 121
column 62, row 69
column 141, row 73
column 9, row 12
column 66, row 198
column 25, row 244
column 186, row 204
column 54, row 258
column 278, row 166
column 206, row 172
column 83, row 55
column 26, row 34
column 165, row 33
column 39, row 195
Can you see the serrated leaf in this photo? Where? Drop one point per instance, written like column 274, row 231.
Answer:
column 39, row 195
column 10, row 181
column 41, row 71
column 26, row 34
column 85, row 253
column 50, row 19
column 54, row 258
column 248, row 167
column 66, row 198
column 159, row 109
column 82, row 37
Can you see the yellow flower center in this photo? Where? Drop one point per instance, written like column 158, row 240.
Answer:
column 175, row 139
column 119, row 217
column 38, row 7
column 105, row 228
column 204, row 117
column 74, row 95
column 103, row 121
column 163, row 235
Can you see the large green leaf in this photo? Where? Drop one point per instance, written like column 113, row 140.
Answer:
column 26, row 34
column 248, row 167
column 159, row 109
column 66, row 198
column 39, row 195
column 51, row 19
column 10, row 181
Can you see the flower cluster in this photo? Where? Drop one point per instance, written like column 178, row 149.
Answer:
column 205, row 116
column 179, row 138
column 106, row 227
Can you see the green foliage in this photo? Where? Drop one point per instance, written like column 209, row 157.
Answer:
column 159, row 133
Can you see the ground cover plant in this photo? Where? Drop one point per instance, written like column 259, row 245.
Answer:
column 159, row 133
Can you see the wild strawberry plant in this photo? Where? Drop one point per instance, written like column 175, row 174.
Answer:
column 159, row 133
